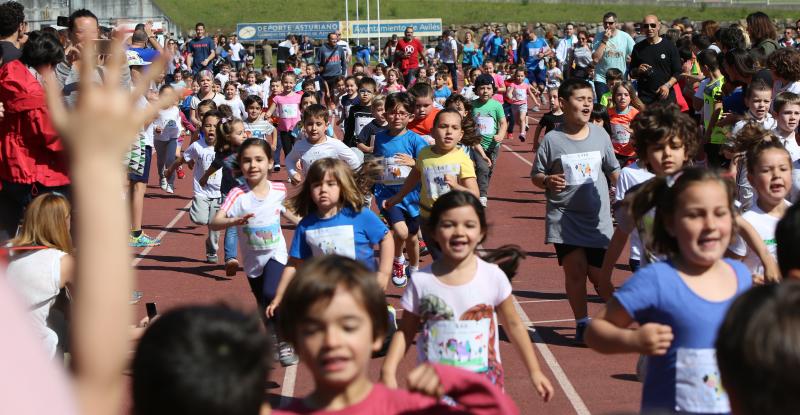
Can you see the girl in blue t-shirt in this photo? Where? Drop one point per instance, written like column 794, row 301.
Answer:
column 335, row 221
column 680, row 303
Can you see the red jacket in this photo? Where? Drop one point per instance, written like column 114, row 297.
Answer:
column 30, row 149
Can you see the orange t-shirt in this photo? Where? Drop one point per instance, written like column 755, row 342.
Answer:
column 620, row 136
column 425, row 125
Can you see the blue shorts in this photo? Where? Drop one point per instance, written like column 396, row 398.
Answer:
column 394, row 215
column 537, row 76
column 145, row 176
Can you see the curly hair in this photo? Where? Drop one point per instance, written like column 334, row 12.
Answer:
column 658, row 123
column 785, row 62
column 12, row 14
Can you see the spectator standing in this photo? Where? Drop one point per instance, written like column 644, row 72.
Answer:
column 612, row 48
column 307, row 50
column 236, row 52
column 32, row 156
column 202, row 50
column 655, row 64
column 533, row 51
column 145, row 43
column 411, row 54
column 390, row 50
column 580, row 58
column 788, row 40
column 332, row 64
column 12, row 31
column 449, row 56
column 565, row 45
column 762, row 33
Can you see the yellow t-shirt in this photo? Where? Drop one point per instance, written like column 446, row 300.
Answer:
column 433, row 167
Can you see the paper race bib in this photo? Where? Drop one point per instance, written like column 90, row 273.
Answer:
column 393, row 173
column 362, row 122
column 619, row 134
column 434, row 177
column 486, row 125
column 338, row 240
column 580, row 168
column 697, row 383
column 263, row 237
column 519, row 94
column 463, row 344
column 288, row 111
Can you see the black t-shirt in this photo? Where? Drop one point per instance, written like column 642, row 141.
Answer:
column 550, row 121
column 665, row 62
column 9, row 52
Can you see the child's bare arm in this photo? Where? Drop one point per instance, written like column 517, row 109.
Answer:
column 291, row 216
column 385, row 261
column 271, row 110
column 401, row 341
column 756, row 243
column 410, row 184
column 171, row 169
column 609, row 333
column 286, row 278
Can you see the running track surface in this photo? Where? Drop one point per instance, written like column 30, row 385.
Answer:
column 585, row 382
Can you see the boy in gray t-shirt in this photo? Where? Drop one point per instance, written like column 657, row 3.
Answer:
column 571, row 165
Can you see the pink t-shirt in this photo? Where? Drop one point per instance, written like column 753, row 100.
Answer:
column 287, row 109
column 499, row 82
column 473, row 394
column 459, row 321
column 520, row 94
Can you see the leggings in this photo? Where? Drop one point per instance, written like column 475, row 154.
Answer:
column 265, row 286
column 481, row 172
column 287, row 142
column 165, row 155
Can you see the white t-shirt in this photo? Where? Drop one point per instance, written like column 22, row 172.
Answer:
column 765, row 225
column 235, row 49
column 169, row 120
column 203, row 155
column 629, row 177
column 223, row 79
column 36, row 275
column 258, row 129
column 217, row 98
column 261, row 239
column 449, row 50
column 237, row 106
column 768, row 123
column 465, row 313
column 795, row 193
column 308, row 153
column 147, row 132
column 790, row 143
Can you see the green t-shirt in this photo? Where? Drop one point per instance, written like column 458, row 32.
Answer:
column 713, row 88
column 487, row 120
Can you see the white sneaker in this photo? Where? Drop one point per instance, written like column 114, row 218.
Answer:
column 484, row 201
column 164, row 184
column 169, row 189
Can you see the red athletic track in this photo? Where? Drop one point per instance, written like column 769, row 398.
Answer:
column 174, row 274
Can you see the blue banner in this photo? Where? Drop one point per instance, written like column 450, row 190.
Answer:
column 279, row 30
column 362, row 28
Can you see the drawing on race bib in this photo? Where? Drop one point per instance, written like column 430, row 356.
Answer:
column 435, row 178
column 463, row 344
column 263, row 237
column 289, row 111
column 393, row 173
column 581, row 168
column 519, row 94
column 697, row 382
column 620, row 134
column 338, row 240
column 486, row 125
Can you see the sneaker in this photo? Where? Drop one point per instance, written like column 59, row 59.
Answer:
column 169, row 189
column 181, row 174
column 286, row 355
column 136, row 296
column 392, row 328
column 277, row 168
column 399, row 277
column 423, row 248
column 143, row 241
column 522, row 137
column 164, row 183
column 484, row 200
column 535, row 109
column 510, row 136
column 212, row 259
column 580, row 330
column 231, row 267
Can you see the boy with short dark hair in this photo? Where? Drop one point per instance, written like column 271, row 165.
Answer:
column 361, row 113
column 490, row 121
column 572, row 163
column 214, row 343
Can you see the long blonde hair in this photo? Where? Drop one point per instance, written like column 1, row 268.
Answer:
column 46, row 223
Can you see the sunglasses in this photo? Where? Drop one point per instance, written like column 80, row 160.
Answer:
column 650, row 25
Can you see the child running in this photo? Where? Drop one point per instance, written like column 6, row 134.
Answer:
column 461, row 296
column 287, row 107
column 255, row 208
column 489, row 118
column 440, row 168
column 680, row 303
column 255, row 124
column 551, row 120
column 317, row 145
column 626, row 107
column 206, row 200
column 517, row 93
column 232, row 100
column 393, row 82
column 166, row 131
column 571, row 165
column 334, row 312
column 398, row 148
column 335, row 221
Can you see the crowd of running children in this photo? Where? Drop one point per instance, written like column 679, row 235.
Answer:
column 709, row 217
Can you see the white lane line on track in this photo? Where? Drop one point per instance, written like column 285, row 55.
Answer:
column 574, row 399
column 287, row 388
column 161, row 235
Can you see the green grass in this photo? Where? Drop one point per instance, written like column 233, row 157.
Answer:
column 224, row 14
